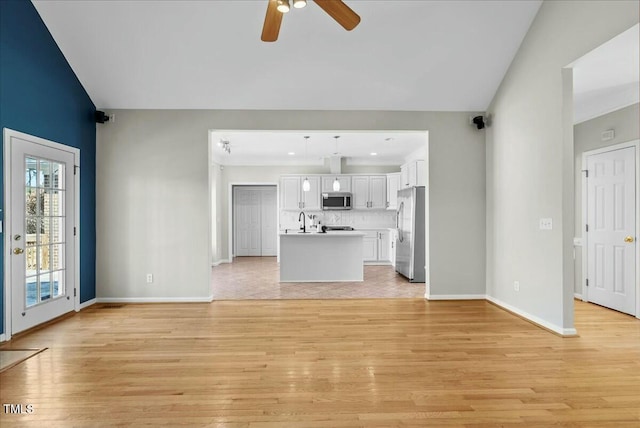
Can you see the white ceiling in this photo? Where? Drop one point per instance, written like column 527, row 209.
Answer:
column 273, row 147
column 608, row 77
column 404, row 55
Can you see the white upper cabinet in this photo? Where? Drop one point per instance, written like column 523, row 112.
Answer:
column 292, row 197
column 393, row 185
column 290, row 188
column 413, row 174
column 311, row 199
column 344, row 180
column 378, row 192
column 360, row 192
column 369, row 191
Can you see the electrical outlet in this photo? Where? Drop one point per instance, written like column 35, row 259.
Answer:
column 546, row 224
column 516, row 285
column 149, row 278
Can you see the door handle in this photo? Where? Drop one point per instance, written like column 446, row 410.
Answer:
column 18, row 251
column 628, row 239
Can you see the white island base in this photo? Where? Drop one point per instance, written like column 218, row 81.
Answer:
column 321, row 257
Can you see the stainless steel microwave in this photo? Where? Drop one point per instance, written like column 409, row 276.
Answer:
column 336, row 201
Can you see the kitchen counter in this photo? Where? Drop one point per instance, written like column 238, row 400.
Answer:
column 321, row 257
column 327, row 234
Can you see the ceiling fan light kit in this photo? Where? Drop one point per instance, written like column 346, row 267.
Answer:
column 276, row 9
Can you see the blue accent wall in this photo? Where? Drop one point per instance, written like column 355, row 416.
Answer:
column 41, row 95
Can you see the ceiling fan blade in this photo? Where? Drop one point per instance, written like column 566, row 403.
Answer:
column 272, row 21
column 340, row 12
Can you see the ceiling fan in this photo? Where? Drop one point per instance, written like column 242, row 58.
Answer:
column 277, row 8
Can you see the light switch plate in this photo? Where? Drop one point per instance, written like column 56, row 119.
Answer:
column 546, row 224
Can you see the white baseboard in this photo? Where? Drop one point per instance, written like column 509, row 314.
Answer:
column 219, row 262
column 3, row 337
column 577, row 296
column 534, row 319
column 456, row 297
column 87, row 304
column 208, row 299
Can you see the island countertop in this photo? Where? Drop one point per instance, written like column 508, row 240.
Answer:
column 326, row 234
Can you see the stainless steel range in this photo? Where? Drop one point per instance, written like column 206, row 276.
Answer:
column 338, row 228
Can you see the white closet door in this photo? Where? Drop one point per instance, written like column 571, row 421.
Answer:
column 269, row 222
column 255, row 220
column 247, row 203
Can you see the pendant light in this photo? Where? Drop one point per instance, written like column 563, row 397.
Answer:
column 306, row 186
column 283, row 6
column 336, row 183
column 299, row 4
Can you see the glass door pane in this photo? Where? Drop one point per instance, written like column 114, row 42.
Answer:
column 45, row 230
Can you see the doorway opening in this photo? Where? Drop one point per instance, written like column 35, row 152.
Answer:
column 245, row 163
column 606, row 97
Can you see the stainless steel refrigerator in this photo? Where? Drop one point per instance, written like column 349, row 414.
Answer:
column 410, row 245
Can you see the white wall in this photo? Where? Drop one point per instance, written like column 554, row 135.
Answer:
column 530, row 160
column 153, row 183
column 588, row 136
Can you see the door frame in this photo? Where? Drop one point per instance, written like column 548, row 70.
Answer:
column 231, row 225
column 585, row 244
column 7, row 135
column 232, row 201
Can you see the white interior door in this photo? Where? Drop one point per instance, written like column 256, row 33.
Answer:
column 255, row 220
column 247, row 203
column 41, row 226
column 269, row 221
column 611, row 235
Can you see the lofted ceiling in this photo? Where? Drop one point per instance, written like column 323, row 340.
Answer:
column 404, row 55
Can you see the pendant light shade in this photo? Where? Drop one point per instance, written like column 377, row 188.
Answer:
column 299, row 4
column 336, row 185
column 306, row 186
column 283, row 6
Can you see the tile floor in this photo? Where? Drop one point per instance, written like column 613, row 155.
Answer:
column 257, row 278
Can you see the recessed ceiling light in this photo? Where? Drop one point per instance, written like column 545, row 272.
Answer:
column 374, row 154
column 291, row 153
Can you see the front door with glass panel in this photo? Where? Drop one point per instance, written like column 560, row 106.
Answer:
column 42, row 235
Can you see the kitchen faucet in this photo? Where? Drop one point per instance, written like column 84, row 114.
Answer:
column 304, row 222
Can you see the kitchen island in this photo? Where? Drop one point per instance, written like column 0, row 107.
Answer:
column 321, row 257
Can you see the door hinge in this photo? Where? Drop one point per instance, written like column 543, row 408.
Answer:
column 586, row 227
column 586, row 172
column 74, row 231
column 587, row 282
column 74, row 292
column 75, row 169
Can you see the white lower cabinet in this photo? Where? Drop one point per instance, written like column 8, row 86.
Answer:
column 370, row 247
column 383, row 246
column 376, row 246
column 393, row 235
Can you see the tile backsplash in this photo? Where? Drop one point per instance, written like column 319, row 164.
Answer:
column 356, row 218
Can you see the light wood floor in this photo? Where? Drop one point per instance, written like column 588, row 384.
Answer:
column 258, row 278
column 326, row 363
